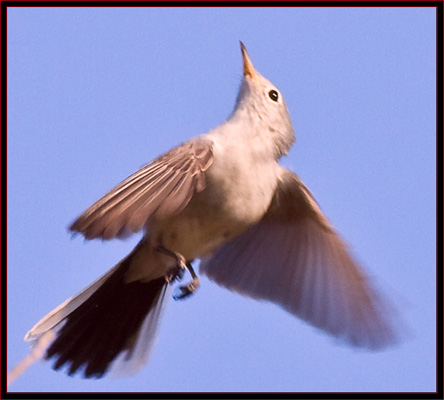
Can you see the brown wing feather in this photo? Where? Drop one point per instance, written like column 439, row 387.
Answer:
column 161, row 188
column 293, row 257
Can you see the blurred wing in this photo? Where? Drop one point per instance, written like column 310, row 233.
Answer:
column 294, row 258
column 161, row 188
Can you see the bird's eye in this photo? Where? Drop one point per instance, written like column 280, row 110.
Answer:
column 273, row 95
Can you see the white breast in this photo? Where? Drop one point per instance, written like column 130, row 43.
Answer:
column 239, row 187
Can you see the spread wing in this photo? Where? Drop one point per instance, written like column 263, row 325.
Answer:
column 294, row 258
column 161, row 188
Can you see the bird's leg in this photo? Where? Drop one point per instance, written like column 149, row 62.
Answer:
column 177, row 273
column 187, row 290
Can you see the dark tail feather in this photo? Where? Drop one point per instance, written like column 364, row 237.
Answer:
column 107, row 324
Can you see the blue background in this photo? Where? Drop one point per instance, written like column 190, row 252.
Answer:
column 95, row 93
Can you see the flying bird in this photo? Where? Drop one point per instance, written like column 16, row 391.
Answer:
column 223, row 198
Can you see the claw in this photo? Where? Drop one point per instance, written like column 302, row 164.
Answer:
column 177, row 273
column 183, row 292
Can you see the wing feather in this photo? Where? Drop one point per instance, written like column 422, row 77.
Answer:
column 161, row 188
column 294, row 257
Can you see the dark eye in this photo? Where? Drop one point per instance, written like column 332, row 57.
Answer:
column 273, row 95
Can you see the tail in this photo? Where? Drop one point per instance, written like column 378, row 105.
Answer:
column 111, row 323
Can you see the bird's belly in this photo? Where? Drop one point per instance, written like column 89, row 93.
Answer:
column 216, row 215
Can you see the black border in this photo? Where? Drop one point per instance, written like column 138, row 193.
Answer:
column 251, row 3
column 224, row 395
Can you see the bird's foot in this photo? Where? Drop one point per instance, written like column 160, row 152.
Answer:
column 183, row 292
column 177, row 272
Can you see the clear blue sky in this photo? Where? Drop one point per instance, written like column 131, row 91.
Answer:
column 95, row 93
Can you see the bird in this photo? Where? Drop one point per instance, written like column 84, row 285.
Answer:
column 224, row 199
